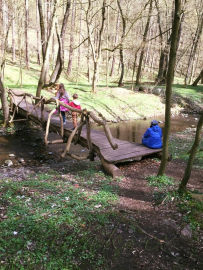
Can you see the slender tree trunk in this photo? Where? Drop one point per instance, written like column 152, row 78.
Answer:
column 88, row 62
column 3, row 38
column 13, row 36
column 70, row 61
column 94, row 78
column 42, row 28
column 134, row 67
column 200, row 77
column 48, row 15
column 120, row 83
column 143, row 44
column 163, row 62
column 115, row 42
column 107, row 45
column 38, row 34
column 20, row 28
column 194, row 48
column 5, row 45
column 60, row 58
column 5, row 107
column 193, row 151
column 169, row 81
column 26, row 33
column 79, row 50
column 96, row 53
column 42, row 78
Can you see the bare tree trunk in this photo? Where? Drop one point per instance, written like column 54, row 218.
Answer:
column 193, row 151
column 134, row 67
column 88, row 62
column 143, row 44
column 26, row 33
column 42, row 28
column 60, row 59
column 5, row 45
column 94, row 78
column 53, row 59
column 194, row 48
column 4, row 31
column 120, row 83
column 20, row 29
column 42, row 78
column 163, row 62
column 37, row 30
column 169, row 81
column 5, row 107
column 79, row 51
column 13, row 36
column 107, row 45
column 96, row 53
column 200, row 77
column 69, row 69
column 115, row 42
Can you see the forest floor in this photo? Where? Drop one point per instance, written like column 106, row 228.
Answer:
column 64, row 214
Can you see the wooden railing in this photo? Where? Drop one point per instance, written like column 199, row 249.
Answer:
column 85, row 117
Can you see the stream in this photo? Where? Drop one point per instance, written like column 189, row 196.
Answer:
column 26, row 143
column 133, row 131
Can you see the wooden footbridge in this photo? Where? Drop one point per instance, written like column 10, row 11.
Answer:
column 110, row 150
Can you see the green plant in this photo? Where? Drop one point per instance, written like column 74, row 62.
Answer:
column 160, row 181
column 48, row 222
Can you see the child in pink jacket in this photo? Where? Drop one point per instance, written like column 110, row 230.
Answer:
column 63, row 96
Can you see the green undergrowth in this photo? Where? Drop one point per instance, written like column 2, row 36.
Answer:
column 189, row 204
column 162, row 184
column 160, row 181
column 180, row 145
column 54, row 221
column 194, row 93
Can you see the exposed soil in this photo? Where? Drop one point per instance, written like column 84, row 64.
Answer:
column 164, row 221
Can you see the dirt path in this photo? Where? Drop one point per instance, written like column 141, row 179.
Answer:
column 159, row 225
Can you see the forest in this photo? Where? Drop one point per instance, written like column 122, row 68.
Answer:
column 81, row 84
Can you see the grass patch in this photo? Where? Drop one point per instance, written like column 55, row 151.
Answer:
column 113, row 102
column 180, row 145
column 50, row 222
column 163, row 185
column 193, row 93
column 190, row 208
column 160, row 181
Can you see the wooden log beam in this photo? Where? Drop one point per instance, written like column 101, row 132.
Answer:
column 111, row 169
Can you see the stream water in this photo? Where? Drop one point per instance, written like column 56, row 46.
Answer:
column 133, row 131
column 27, row 143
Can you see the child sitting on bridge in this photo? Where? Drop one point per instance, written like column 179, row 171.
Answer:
column 153, row 135
column 63, row 96
column 76, row 105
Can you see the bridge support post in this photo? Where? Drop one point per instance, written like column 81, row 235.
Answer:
column 111, row 169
